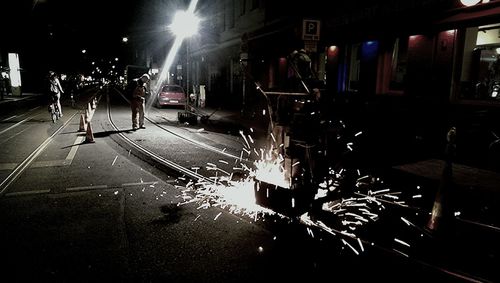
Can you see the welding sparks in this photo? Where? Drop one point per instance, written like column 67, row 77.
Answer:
column 349, row 213
column 217, row 216
column 237, row 196
column 361, row 245
column 245, row 139
column 405, row 221
column 401, row 242
column 349, row 245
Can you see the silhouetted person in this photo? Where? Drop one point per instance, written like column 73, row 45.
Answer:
column 55, row 90
column 137, row 102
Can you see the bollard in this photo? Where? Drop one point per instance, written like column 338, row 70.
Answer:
column 440, row 208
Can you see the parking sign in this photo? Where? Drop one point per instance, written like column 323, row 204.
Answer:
column 310, row 29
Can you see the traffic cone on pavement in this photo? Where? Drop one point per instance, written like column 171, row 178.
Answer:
column 89, row 137
column 83, row 123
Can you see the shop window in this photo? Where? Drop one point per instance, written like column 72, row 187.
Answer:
column 480, row 76
column 392, row 66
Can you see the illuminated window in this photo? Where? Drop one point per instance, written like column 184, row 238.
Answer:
column 480, row 74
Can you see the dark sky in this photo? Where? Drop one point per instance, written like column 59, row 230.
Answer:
column 75, row 23
column 50, row 34
column 86, row 23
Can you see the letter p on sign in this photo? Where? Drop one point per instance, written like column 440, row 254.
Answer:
column 310, row 29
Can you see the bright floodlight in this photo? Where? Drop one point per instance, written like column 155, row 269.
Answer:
column 185, row 24
column 470, row 2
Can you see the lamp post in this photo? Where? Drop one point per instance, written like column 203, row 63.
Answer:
column 188, row 68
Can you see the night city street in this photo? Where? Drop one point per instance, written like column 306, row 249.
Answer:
column 250, row 141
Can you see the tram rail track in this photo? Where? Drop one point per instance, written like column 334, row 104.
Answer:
column 163, row 160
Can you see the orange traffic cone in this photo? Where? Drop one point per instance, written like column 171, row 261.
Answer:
column 89, row 137
column 83, row 123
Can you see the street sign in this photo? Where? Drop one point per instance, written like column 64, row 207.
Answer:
column 310, row 29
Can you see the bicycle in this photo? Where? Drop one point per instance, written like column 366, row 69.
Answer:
column 54, row 110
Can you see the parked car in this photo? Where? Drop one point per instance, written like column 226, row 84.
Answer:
column 171, row 95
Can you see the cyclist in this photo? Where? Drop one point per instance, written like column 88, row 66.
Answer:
column 55, row 91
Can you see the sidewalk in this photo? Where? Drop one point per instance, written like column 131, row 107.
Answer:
column 233, row 121
column 11, row 98
column 474, row 194
column 463, row 175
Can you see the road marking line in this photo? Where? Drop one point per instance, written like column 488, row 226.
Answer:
column 59, row 162
column 15, row 135
column 47, row 163
column 87, row 188
column 27, row 193
column 139, row 184
column 27, row 162
column 15, row 125
column 11, row 117
column 74, row 148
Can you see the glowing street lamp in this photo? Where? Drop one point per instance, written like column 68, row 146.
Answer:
column 185, row 25
column 469, row 2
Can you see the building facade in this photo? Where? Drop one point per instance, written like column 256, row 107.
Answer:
column 382, row 62
column 363, row 49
